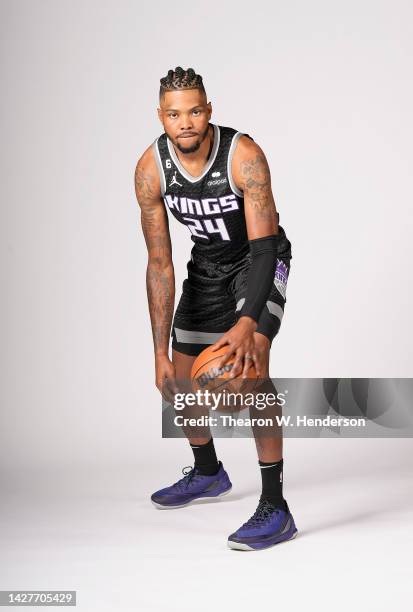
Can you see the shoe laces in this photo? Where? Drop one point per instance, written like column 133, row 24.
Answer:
column 263, row 512
column 190, row 474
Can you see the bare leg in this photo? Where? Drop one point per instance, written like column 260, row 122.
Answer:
column 183, row 364
column 268, row 448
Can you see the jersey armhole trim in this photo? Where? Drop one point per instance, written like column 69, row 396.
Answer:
column 160, row 168
column 234, row 188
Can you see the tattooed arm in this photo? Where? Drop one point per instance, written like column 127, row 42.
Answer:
column 252, row 176
column 160, row 278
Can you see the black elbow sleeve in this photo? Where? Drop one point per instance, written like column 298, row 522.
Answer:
column 261, row 274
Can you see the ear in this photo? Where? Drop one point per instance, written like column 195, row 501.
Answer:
column 209, row 107
column 160, row 115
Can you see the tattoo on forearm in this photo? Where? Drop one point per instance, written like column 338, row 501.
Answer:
column 160, row 279
column 160, row 284
column 257, row 186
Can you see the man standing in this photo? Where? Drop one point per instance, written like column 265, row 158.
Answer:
column 216, row 181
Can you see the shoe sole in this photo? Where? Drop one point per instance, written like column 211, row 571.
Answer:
column 242, row 546
column 193, row 501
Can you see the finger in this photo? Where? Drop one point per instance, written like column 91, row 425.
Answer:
column 238, row 363
column 257, row 364
column 166, row 391
column 166, row 396
column 172, row 384
column 163, row 394
column 220, row 343
column 248, row 360
column 225, row 358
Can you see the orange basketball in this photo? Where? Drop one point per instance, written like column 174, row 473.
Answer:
column 205, row 373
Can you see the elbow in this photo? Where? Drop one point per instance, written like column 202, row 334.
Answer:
column 159, row 263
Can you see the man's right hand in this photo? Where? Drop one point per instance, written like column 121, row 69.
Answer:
column 165, row 377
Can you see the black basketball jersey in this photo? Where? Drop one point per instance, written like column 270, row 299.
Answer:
column 210, row 205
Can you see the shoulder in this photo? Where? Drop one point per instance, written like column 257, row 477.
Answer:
column 248, row 157
column 247, row 148
column 147, row 160
column 244, row 146
column 147, row 181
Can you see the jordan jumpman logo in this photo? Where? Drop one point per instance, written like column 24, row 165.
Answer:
column 174, row 181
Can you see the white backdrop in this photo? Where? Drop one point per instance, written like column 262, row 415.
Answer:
column 324, row 87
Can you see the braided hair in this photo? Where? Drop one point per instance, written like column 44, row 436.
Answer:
column 181, row 79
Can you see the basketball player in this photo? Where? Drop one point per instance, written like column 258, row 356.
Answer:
column 216, row 181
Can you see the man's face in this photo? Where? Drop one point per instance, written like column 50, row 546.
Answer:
column 185, row 116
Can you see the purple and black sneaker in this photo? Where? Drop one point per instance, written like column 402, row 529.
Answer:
column 267, row 526
column 191, row 487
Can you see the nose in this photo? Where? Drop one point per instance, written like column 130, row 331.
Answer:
column 186, row 123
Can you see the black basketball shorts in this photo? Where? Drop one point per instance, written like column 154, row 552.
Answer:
column 213, row 295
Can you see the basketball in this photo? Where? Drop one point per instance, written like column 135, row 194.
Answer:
column 205, row 373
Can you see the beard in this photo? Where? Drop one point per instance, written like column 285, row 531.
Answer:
column 193, row 147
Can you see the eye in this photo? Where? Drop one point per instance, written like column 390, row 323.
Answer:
column 172, row 115
column 196, row 112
